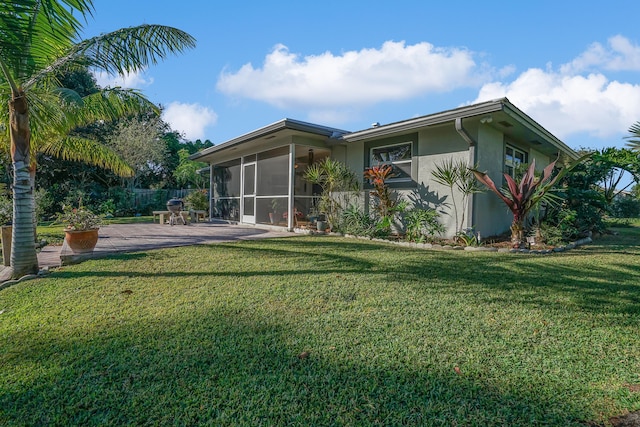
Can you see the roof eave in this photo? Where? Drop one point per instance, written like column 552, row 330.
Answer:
column 269, row 129
column 520, row 116
column 430, row 120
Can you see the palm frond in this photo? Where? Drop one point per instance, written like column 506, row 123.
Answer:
column 87, row 151
column 634, row 138
column 109, row 105
column 134, row 48
column 119, row 52
column 34, row 32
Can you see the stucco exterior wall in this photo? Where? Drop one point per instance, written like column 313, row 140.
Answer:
column 491, row 216
column 436, row 145
column 541, row 159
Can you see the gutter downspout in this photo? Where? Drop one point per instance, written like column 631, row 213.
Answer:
column 472, row 161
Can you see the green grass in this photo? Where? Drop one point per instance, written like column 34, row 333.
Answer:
column 217, row 335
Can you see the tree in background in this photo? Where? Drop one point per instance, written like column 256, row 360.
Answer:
column 40, row 40
column 186, row 174
column 612, row 164
column 139, row 142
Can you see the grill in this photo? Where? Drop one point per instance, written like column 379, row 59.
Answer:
column 175, row 206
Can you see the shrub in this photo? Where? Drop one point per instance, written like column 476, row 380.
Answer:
column 198, row 200
column 43, row 203
column 422, row 224
column 6, row 210
column 625, row 207
column 357, row 222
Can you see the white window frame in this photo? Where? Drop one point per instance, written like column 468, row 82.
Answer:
column 510, row 166
column 373, row 162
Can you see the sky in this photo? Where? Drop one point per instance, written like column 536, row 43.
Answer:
column 573, row 66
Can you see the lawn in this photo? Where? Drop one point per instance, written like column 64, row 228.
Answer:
column 326, row 331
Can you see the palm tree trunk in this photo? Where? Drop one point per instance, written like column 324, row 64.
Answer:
column 23, row 249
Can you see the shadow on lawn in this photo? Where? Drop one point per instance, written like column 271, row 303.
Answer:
column 230, row 368
column 577, row 284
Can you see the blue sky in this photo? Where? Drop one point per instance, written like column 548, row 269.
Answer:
column 574, row 66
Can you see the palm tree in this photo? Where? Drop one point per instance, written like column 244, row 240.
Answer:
column 634, row 138
column 39, row 40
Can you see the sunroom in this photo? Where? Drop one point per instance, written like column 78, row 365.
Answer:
column 258, row 179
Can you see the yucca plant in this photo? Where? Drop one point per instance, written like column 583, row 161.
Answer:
column 40, row 40
column 456, row 174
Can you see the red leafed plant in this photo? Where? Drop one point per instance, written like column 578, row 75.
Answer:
column 387, row 205
column 522, row 197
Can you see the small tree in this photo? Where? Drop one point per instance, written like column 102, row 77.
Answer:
column 456, row 174
column 333, row 177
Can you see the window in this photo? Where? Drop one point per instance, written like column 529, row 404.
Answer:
column 399, row 156
column 513, row 159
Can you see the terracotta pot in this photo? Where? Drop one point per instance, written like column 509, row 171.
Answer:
column 81, row 241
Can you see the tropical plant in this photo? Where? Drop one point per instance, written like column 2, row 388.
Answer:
column 634, row 138
column 469, row 237
column 78, row 219
column 337, row 182
column 357, row 222
column 456, row 174
column 187, row 171
column 522, row 197
column 40, row 40
column 386, row 202
column 422, row 224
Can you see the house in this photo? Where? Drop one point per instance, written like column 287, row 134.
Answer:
column 257, row 178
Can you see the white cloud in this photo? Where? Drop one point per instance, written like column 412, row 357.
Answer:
column 190, row 120
column 619, row 55
column 327, row 82
column 568, row 103
column 128, row 81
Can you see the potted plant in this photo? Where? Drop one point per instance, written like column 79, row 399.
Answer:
column 81, row 228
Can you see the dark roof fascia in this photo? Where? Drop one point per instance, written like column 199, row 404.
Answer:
column 525, row 120
column 432, row 119
column 283, row 124
column 488, row 107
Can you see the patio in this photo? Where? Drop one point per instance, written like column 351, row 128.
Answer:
column 119, row 238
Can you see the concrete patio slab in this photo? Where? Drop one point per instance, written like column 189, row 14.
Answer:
column 119, row 238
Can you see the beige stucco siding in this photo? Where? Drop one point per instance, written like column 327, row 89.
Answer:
column 541, row 159
column 491, row 216
column 436, row 145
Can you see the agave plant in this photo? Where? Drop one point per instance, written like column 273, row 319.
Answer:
column 521, row 198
